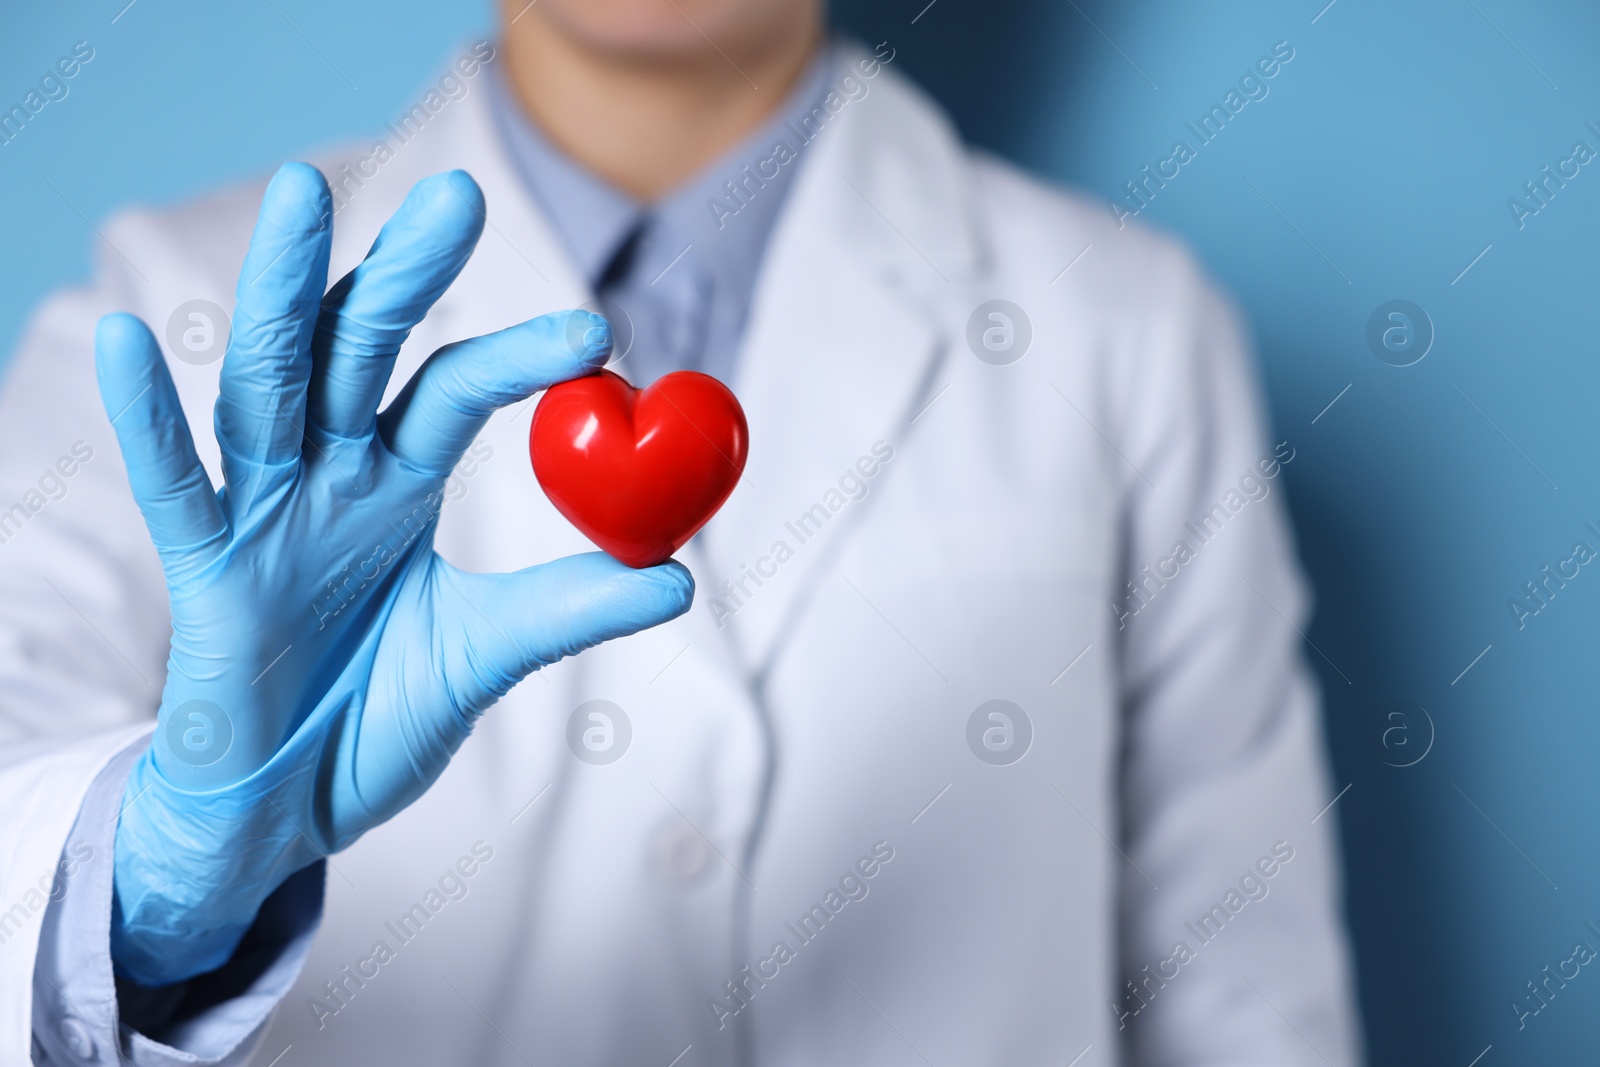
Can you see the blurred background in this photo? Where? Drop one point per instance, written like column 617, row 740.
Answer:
column 1445, row 457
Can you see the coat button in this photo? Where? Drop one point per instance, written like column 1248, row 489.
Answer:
column 76, row 1036
column 680, row 852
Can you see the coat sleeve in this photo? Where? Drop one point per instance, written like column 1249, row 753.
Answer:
column 83, row 615
column 82, row 1014
column 1240, row 955
column 84, row 623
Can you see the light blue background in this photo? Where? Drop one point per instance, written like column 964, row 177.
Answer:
column 1392, row 141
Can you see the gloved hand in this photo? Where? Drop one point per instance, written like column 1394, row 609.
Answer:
column 326, row 663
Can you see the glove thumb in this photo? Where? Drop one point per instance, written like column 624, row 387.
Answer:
column 519, row 622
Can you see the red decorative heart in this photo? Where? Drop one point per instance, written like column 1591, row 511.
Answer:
column 639, row 471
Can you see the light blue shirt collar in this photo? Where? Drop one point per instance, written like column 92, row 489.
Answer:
column 727, row 211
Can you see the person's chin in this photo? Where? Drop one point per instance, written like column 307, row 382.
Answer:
column 657, row 31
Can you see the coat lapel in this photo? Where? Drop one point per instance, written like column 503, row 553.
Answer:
column 843, row 349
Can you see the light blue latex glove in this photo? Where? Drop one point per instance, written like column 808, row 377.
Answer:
column 320, row 646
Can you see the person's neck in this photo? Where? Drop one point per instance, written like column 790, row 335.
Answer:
column 646, row 126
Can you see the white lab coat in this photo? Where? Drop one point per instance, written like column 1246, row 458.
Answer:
column 828, row 715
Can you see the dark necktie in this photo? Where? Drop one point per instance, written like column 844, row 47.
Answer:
column 658, row 284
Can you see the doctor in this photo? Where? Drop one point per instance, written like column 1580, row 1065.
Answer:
column 980, row 733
